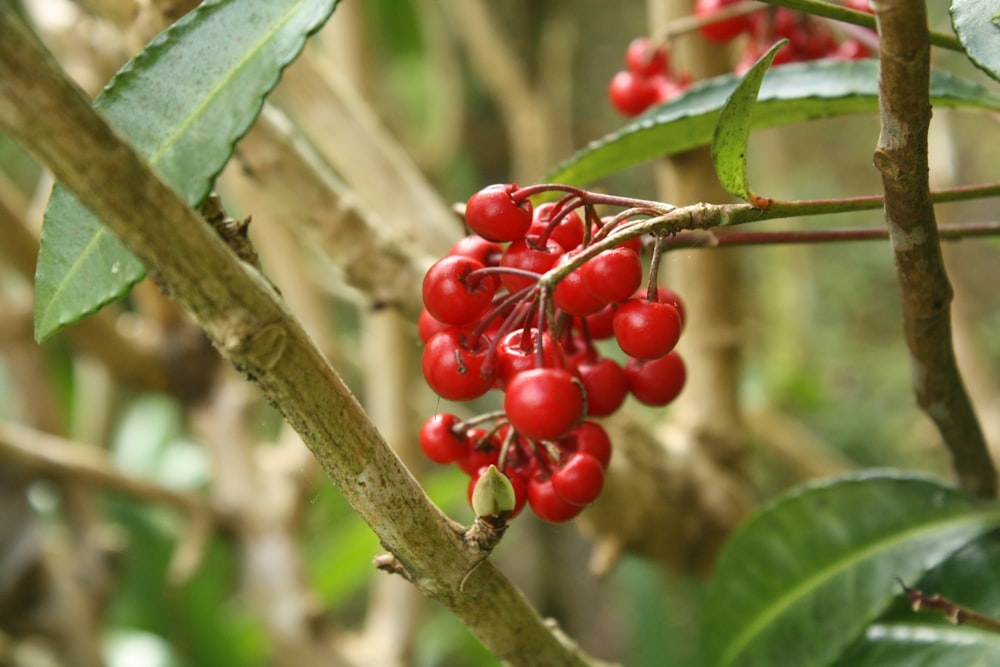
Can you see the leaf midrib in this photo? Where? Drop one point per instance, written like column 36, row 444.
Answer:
column 813, row 582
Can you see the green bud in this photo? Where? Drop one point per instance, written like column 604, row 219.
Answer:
column 493, row 494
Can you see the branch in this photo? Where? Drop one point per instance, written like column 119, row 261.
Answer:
column 252, row 328
column 901, row 156
column 957, row 614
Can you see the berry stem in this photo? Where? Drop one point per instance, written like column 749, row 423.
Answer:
column 652, row 293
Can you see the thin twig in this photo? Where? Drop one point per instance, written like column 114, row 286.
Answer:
column 955, row 613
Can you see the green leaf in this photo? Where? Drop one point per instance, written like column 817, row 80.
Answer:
column 977, row 24
column 805, row 576
column 905, row 638
column 732, row 132
column 182, row 103
column 791, row 93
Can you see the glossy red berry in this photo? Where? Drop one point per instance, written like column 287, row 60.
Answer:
column 527, row 254
column 720, row 31
column 631, row 94
column 547, row 504
column 606, row 385
column 493, row 214
column 481, row 451
column 517, row 352
column 568, row 232
column 451, row 295
column 646, row 329
column 590, row 437
column 614, row 275
column 454, row 365
column 571, row 294
column 656, row 382
column 600, row 325
column 645, row 59
column 427, row 326
column 544, row 403
column 579, row 479
column 439, row 441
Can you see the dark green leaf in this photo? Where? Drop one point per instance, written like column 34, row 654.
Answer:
column 804, row 577
column 732, row 132
column 906, row 638
column 183, row 103
column 977, row 24
column 790, row 93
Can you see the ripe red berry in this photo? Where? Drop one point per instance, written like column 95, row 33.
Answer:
column 720, row 31
column 656, row 382
column 579, row 479
column 605, row 384
column 544, row 403
column 481, row 451
column 547, row 504
column 572, row 295
column 526, row 254
column 439, row 441
column 645, row 59
column 427, row 326
column 590, row 437
column 646, row 329
column 601, row 324
column 451, row 295
column 454, row 366
column 516, row 353
column 614, row 275
column 493, row 214
column 667, row 295
column 568, row 232
column 631, row 94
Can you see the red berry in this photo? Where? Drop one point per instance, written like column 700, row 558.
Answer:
column 451, row 295
column 600, row 324
column 544, row 403
column 631, row 94
column 572, row 295
column 590, row 437
column 646, row 329
column 453, row 366
column 568, row 232
column 614, row 275
column 645, row 59
column 438, row 440
column 656, row 382
column 579, row 480
column 527, row 255
column 547, row 504
column 605, row 384
column 427, row 326
column 667, row 295
column 493, row 214
column 480, row 452
column 720, row 31
column 516, row 353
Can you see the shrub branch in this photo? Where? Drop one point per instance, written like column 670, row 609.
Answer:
column 253, row 329
column 901, row 157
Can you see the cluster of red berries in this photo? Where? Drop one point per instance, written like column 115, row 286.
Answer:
column 647, row 79
column 489, row 322
column 809, row 37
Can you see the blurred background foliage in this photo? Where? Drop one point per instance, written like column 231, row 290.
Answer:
column 825, row 381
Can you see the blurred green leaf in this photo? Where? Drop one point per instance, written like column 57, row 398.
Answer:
column 732, row 133
column 805, row 576
column 977, row 24
column 182, row 103
column 791, row 93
